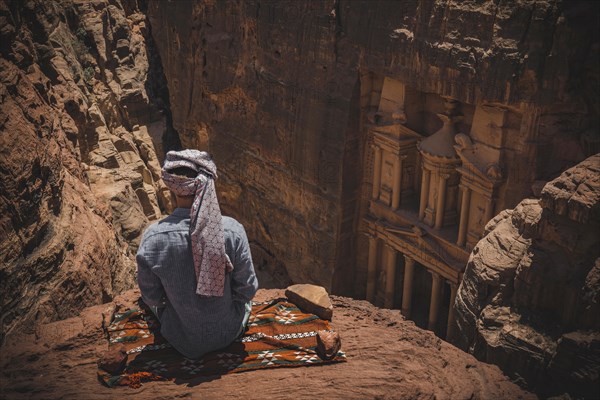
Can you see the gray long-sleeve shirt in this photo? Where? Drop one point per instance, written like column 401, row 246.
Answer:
column 192, row 324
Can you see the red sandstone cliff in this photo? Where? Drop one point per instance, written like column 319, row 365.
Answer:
column 81, row 135
column 529, row 300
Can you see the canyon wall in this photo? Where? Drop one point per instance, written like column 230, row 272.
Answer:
column 529, row 299
column 285, row 96
column 82, row 124
column 281, row 93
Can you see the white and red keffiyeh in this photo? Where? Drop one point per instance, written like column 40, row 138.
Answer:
column 206, row 227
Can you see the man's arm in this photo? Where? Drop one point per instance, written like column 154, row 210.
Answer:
column 150, row 285
column 244, row 283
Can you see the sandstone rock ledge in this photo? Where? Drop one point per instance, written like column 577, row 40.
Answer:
column 388, row 357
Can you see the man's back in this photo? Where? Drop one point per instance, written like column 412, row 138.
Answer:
column 193, row 324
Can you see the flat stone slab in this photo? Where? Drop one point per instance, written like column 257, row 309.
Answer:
column 312, row 299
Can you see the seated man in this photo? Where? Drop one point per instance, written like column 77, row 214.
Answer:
column 194, row 267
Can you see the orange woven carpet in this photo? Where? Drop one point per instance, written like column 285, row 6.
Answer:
column 279, row 334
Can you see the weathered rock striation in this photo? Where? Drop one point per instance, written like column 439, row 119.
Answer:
column 530, row 297
column 281, row 94
column 81, row 138
column 388, row 357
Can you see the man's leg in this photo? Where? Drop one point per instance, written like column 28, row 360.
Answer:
column 247, row 310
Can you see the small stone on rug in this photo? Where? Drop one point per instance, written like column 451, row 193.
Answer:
column 311, row 299
column 328, row 344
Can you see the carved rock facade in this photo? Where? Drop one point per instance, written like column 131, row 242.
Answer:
column 366, row 144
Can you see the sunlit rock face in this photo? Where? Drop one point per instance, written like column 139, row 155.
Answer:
column 82, row 130
column 283, row 94
column 529, row 300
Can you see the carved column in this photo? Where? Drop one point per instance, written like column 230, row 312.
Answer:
column 376, row 172
column 390, row 277
column 464, row 216
column 424, row 192
column 450, row 326
column 434, row 305
column 441, row 201
column 489, row 209
column 397, row 183
column 409, row 268
column 372, row 268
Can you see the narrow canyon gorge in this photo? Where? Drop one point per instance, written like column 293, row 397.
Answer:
column 438, row 159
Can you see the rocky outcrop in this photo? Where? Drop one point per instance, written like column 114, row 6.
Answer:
column 82, row 131
column 529, row 301
column 575, row 194
column 279, row 93
column 388, row 357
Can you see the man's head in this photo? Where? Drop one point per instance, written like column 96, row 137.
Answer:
column 183, row 172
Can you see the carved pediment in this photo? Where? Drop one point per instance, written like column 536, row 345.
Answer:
column 479, row 162
column 409, row 230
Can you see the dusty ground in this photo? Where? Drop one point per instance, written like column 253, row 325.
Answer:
column 388, row 358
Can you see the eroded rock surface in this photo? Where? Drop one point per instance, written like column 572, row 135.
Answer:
column 280, row 94
column 388, row 357
column 576, row 193
column 81, row 137
column 529, row 300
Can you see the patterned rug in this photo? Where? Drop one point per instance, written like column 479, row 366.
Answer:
column 278, row 335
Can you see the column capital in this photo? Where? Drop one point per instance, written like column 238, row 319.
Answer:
column 408, row 259
column 389, row 247
column 370, row 234
column 434, row 274
column 444, row 175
